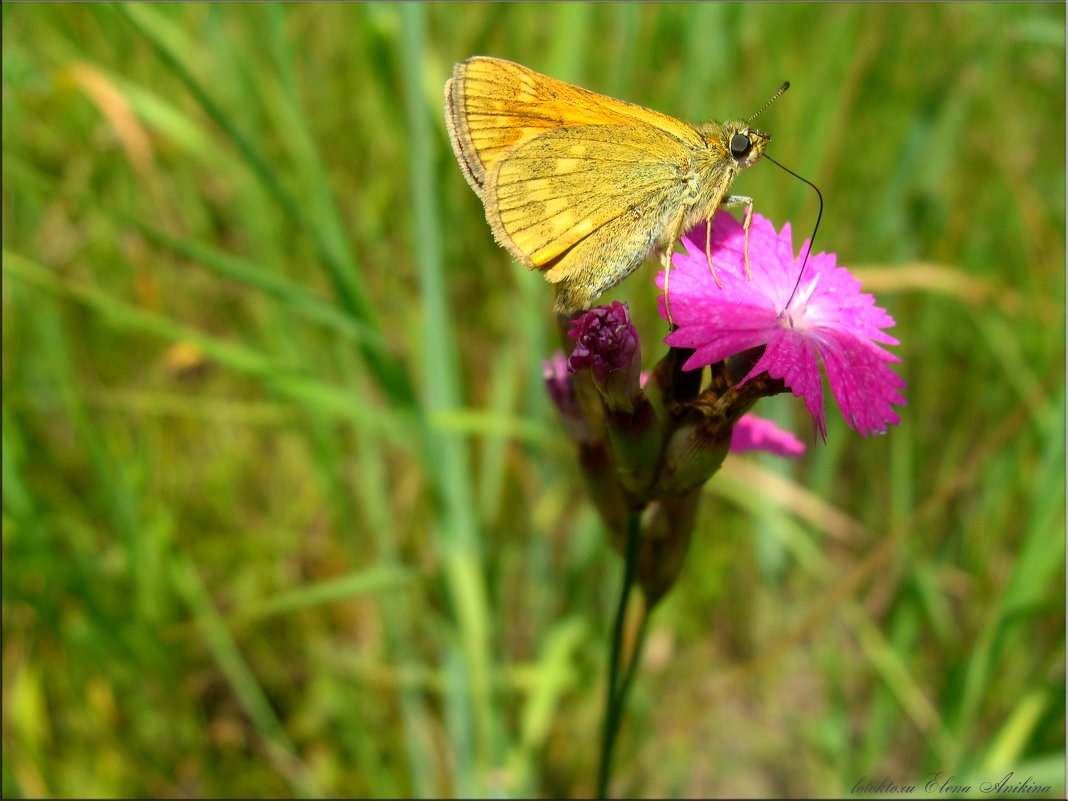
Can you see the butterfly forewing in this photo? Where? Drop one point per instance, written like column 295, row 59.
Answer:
column 494, row 104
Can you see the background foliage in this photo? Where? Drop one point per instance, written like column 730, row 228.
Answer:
column 286, row 510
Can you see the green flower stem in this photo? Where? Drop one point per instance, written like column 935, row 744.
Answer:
column 636, row 658
column 614, row 700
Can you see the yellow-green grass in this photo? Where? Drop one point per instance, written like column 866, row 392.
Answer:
column 286, row 510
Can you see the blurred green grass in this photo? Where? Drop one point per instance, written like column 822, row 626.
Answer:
column 285, row 508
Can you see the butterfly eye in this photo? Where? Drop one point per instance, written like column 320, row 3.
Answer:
column 740, row 144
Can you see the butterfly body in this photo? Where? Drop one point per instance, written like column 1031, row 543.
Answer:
column 583, row 186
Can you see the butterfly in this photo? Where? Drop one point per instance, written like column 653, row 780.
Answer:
column 583, row 186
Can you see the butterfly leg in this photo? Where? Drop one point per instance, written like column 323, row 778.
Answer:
column 708, row 251
column 742, row 200
column 665, row 257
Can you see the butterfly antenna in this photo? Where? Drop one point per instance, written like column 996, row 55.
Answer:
column 774, row 97
column 811, row 239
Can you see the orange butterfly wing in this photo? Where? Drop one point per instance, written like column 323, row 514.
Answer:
column 493, row 105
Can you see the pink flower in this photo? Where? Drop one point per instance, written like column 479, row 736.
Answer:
column 752, row 433
column 828, row 320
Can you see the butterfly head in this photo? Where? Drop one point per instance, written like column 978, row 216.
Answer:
column 746, row 145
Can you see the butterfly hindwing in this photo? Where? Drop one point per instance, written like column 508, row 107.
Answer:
column 565, row 185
